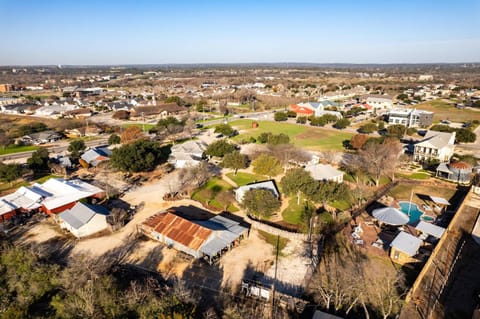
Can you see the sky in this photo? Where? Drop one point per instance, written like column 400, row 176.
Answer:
column 86, row 32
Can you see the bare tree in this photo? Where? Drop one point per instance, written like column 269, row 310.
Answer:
column 288, row 154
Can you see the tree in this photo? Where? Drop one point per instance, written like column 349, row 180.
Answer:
column 76, row 147
column 114, row 139
column 5, row 140
column 38, row 162
column 358, row 140
column 379, row 158
column 224, row 129
column 396, row 130
column 121, row 115
column 280, row 116
column 131, row 134
column 291, row 114
column 219, row 148
column 341, row 124
column 10, row 172
column 138, row 156
column 465, row 136
column 297, row 181
column 318, row 121
column 267, row 165
column 288, row 154
column 235, row 160
column 368, row 128
column 260, row 202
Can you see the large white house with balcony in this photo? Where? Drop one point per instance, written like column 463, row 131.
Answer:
column 435, row 146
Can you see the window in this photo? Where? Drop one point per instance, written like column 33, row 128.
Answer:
column 396, row 254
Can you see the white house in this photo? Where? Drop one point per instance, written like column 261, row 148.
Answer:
column 410, row 117
column 324, row 172
column 84, row 220
column 268, row 185
column 435, row 146
column 187, row 154
column 379, row 102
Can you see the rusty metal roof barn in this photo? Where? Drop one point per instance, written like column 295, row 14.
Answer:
column 198, row 238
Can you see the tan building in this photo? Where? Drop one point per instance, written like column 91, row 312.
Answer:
column 404, row 248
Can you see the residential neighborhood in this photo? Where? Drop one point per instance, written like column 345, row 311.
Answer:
column 227, row 160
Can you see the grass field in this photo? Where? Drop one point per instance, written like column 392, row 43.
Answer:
column 313, row 138
column 403, row 192
column 212, row 193
column 245, row 178
column 417, row 175
column 444, row 110
column 293, row 214
column 17, row 149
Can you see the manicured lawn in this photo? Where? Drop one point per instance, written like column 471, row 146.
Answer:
column 444, row 110
column 293, row 214
column 243, row 178
column 272, row 240
column 314, row 138
column 212, row 193
column 17, row 149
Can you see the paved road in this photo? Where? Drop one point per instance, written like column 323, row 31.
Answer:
column 56, row 148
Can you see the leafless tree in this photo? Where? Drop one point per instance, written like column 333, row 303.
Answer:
column 289, row 154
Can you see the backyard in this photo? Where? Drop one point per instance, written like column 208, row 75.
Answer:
column 310, row 137
column 216, row 193
column 243, row 178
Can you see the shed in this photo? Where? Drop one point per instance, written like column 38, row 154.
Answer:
column 324, row 172
column 84, row 220
column 404, row 247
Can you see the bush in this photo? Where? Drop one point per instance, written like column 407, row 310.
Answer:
column 341, row 124
column 224, row 129
column 291, row 114
column 280, row 116
column 220, row 148
column 302, row 119
column 368, row 128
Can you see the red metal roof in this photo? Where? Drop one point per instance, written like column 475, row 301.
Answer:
column 301, row 109
column 460, row 165
column 178, row 229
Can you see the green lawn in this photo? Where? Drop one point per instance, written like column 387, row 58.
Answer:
column 293, row 214
column 148, row 127
column 217, row 193
column 17, row 149
column 243, row 178
column 272, row 240
column 418, row 175
column 314, row 138
column 444, row 110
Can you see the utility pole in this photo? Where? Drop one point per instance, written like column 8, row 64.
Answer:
column 275, row 277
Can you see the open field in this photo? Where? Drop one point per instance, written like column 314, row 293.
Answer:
column 444, row 110
column 313, row 138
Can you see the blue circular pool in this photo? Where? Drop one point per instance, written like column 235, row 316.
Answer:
column 411, row 210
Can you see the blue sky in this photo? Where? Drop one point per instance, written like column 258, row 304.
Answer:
column 322, row 31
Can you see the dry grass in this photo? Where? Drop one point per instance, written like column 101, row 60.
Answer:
column 444, row 110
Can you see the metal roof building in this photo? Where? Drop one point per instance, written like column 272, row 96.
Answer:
column 198, row 238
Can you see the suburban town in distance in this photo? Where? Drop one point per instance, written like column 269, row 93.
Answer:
column 178, row 182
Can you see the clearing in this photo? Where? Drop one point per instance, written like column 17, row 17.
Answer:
column 444, row 110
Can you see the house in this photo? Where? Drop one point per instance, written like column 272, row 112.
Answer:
column 41, row 138
column 79, row 113
column 64, row 194
column 268, row 185
column 208, row 238
column 435, row 146
column 318, row 108
column 7, row 210
column 301, row 110
column 379, row 102
column 410, row 117
column 187, row 154
column 83, row 220
column 96, row 155
column 157, row 111
column 404, row 248
column 324, row 172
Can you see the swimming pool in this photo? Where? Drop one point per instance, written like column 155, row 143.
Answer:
column 414, row 214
